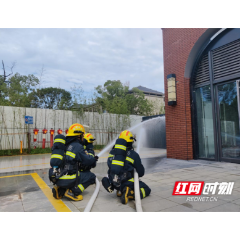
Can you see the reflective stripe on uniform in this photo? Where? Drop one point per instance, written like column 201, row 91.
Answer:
column 69, row 176
column 59, row 140
column 130, row 159
column 117, row 162
column 143, row 192
column 110, row 155
column 84, row 147
column 57, row 156
column 91, row 154
column 81, row 187
column 71, row 154
column 131, row 180
column 121, row 147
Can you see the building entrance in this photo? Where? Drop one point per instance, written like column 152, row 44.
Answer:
column 216, row 100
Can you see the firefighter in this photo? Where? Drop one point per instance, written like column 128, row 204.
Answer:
column 88, row 141
column 125, row 190
column 73, row 182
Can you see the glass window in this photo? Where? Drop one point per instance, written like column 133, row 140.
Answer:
column 205, row 122
column 229, row 121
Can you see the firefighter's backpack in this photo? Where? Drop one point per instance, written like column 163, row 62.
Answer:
column 117, row 173
column 58, row 151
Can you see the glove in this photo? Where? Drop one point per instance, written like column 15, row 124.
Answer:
column 84, row 167
column 96, row 157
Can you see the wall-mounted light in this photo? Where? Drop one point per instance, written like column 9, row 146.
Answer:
column 172, row 97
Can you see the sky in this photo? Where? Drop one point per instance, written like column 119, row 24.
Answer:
column 86, row 56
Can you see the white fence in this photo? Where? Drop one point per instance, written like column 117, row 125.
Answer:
column 13, row 129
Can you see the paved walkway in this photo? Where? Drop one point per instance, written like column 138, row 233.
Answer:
column 24, row 193
column 162, row 179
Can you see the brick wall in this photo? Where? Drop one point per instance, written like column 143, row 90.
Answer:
column 177, row 44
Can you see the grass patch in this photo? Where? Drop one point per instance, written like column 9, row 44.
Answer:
column 40, row 150
column 12, row 152
column 98, row 147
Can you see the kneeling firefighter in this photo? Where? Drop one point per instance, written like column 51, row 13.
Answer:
column 88, row 140
column 71, row 182
column 122, row 161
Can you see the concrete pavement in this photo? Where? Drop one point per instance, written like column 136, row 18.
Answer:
column 27, row 193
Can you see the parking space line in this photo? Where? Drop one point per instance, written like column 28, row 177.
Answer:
column 57, row 204
column 25, row 165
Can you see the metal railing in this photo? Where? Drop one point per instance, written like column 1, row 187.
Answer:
column 10, row 138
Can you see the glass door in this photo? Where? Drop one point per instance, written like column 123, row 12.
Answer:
column 228, row 121
column 204, row 117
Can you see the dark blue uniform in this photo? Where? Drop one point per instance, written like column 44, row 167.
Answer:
column 133, row 161
column 75, row 153
column 89, row 150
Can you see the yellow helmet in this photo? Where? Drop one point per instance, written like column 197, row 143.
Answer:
column 75, row 130
column 89, row 137
column 126, row 135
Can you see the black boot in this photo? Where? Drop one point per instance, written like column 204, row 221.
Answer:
column 58, row 192
column 55, row 192
column 107, row 185
column 127, row 193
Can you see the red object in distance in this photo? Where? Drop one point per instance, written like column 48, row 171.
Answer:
column 44, row 131
column 52, row 131
column 51, row 137
column 59, row 131
column 35, row 131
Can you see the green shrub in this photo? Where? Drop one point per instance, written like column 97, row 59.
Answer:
column 11, row 152
column 99, row 147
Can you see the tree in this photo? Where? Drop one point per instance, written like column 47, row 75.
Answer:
column 5, row 75
column 3, row 92
column 111, row 97
column 3, row 83
column 52, row 98
column 115, row 98
column 20, row 88
column 137, row 103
